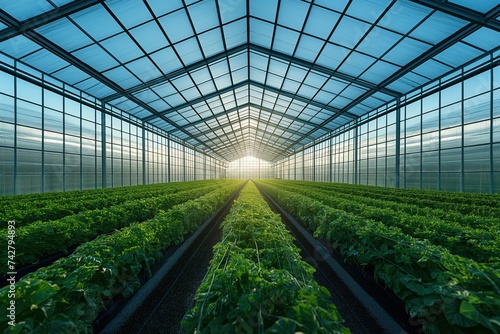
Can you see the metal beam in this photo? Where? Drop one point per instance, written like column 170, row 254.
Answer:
column 463, row 13
column 220, row 127
column 251, row 105
column 242, row 142
column 324, row 70
column 45, row 18
column 178, row 73
column 256, row 84
column 302, row 99
column 198, row 100
column 321, row 69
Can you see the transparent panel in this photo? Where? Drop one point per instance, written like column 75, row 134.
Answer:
column 72, row 125
column 451, row 181
column 477, row 108
column 28, row 91
column 72, row 144
column 6, row 134
column 29, row 171
column 6, row 108
column 6, row 83
column 451, row 115
column 53, row 169
column 477, row 133
column 177, row 26
column 477, row 182
column 451, row 160
column 451, row 137
column 72, row 171
column 29, row 138
column 53, row 141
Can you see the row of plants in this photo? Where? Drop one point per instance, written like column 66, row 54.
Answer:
column 257, row 282
column 481, row 244
column 448, row 293
column 41, row 238
column 73, row 194
column 67, row 296
column 50, row 206
column 482, row 205
column 483, row 218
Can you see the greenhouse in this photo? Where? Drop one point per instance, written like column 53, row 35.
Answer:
column 259, row 166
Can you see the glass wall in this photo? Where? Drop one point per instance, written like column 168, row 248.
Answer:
column 444, row 136
column 250, row 168
column 56, row 138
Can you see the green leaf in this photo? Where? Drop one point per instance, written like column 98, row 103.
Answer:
column 451, row 309
column 469, row 311
column 284, row 325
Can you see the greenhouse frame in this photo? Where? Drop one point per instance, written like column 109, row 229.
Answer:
column 250, row 166
column 389, row 93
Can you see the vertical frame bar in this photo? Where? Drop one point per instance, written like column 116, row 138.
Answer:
column 491, row 188
column 398, row 142
column 143, row 148
column 355, row 154
column 103, row 147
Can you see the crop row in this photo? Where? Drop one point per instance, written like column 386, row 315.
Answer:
column 449, row 293
column 67, row 296
column 481, row 205
column 257, row 281
column 481, row 243
column 40, row 239
column 26, row 209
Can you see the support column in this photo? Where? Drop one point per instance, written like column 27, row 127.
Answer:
column 103, row 147
column 143, row 153
column 355, row 177
column 492, row 178
column 169, row 161
column 330, row 161
column 398, row 141
column 462, row 164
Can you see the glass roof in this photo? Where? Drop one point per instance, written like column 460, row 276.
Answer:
column 255, row 77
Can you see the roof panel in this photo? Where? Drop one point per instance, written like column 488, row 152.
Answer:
column 204, row 15
column 177, row 26
column 437, row 27
column 24, row 9
column 235, row 33
column 482, row 6
column 149, row 36
column 122, row 47
column 403, row 16
column 18, row 46
column 162, row 7
column 97, row 22
column 45, row 59
column 130, row 12
column 321, row 22
column 349, row 32
column 309, row 47
column 96, row 57
column 65, row 34
column 232, row 10
column 189, row 51
column 298, row 72
column 458, row 54
column 285, row 40
column 292, row 14
column 261, row 33
column 211, row 42
column 166, row 60
column 484, row 38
